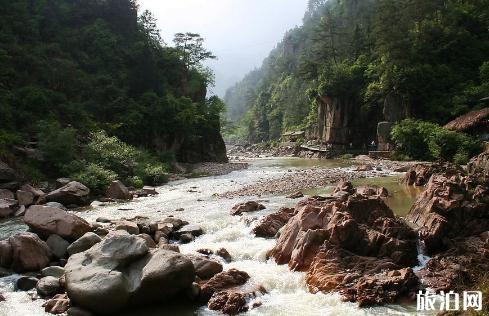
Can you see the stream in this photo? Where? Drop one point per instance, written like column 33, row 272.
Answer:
column 287, row 293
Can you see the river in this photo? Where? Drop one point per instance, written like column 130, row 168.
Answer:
column 287, row 293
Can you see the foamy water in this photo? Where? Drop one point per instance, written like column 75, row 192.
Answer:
column 287, row 292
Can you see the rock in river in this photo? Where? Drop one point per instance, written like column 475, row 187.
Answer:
column 24, row 252
column 246, row 207
column 122, row 272
column 269, row 226
column 46, row 220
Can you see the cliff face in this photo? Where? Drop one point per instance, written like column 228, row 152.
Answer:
column 340, row 122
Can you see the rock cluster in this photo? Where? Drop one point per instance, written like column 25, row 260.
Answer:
column 352, row 244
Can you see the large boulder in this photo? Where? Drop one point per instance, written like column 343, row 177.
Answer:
column 363, row 225
column 27, row 253
column 453, row 205
column 73, row 193
column 121, row 272
column 352, row 244
column 246, row 207
column 269, row 226
column 46, row 220
column 118, row 191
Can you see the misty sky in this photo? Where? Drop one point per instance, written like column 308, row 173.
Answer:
column 240, row 32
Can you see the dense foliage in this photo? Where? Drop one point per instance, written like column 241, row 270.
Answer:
column 70, row 68
column 433, row 55
column 428, row 141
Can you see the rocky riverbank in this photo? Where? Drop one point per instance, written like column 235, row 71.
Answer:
column 105, row 267
column 353, row 244
column 297, row 180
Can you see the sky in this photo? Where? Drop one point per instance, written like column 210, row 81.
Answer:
column 241, row 33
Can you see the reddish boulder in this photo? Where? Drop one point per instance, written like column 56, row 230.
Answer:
column 73, row 193
column 344, row 186
column 453, row 205
column 59, row 304
column 366, row 280
column 363, row 225
column 223, row 253
column 222, row 281
column 271, row 224
column 229, row 303
column 246, row 207
column 118, row 191
column 295, row 195
column 46, row 220
column 29, row 253
column 460, row 267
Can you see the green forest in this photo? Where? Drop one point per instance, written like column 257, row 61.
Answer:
column 89, row 89
column 432, row 55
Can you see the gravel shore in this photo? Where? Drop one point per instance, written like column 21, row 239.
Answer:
column 309, row 178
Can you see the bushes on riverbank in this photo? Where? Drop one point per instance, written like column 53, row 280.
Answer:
column 420, row 140
column 106, row 158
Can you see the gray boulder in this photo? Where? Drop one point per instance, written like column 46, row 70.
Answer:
column 73, row 193
column 121, row 272
column 54, row 271
column 58, row 245
column 48, row 286
column 83, row 243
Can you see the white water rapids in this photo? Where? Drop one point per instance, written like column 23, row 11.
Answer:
column 287, row 292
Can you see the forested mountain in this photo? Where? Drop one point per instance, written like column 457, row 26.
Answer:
column 431, row 58
column 71, row 67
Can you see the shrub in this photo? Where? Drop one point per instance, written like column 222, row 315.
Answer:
column 108, row 158
column 56, row 143
column 95, row 177
column 429, row 141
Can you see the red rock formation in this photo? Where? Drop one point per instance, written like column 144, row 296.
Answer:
column 271, row 224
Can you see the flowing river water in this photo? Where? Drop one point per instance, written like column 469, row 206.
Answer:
column 287, row 292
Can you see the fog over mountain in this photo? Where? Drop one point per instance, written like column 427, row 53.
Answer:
column 240, row 33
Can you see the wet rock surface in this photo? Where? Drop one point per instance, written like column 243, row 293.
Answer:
column 269, row 226
column 247, row 207
column 352, row 244
column 453, row 205
column 121, row 271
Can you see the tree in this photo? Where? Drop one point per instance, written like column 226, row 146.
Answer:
column 190, row 46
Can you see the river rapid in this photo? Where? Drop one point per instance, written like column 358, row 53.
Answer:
column 199, row 197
